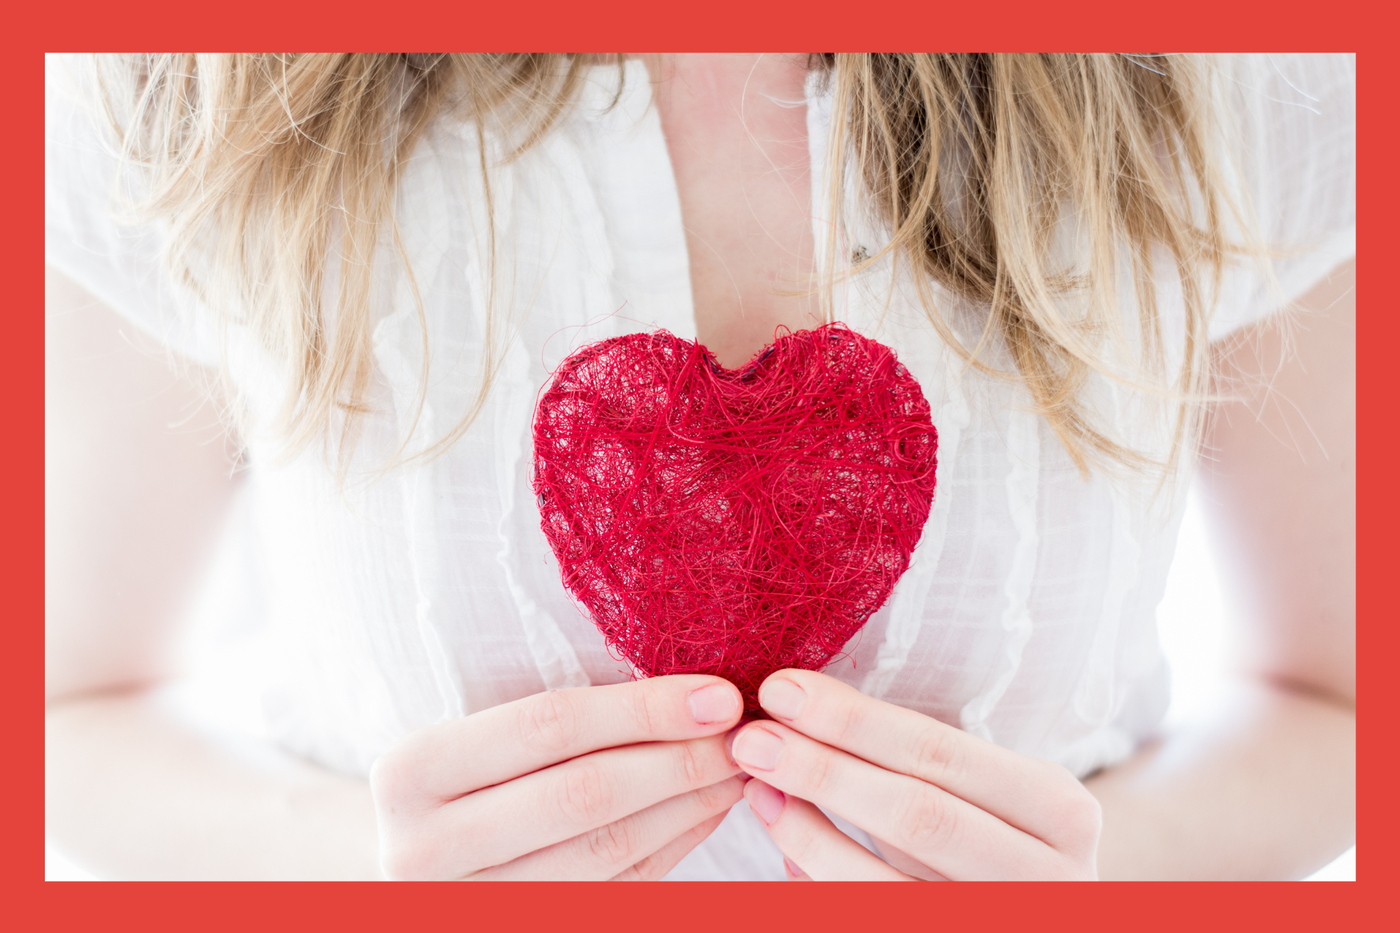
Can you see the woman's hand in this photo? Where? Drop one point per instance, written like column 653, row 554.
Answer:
column 940, row 803
column 594, row 783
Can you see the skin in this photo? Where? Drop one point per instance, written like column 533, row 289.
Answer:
column 744, row 177
column 621, row 781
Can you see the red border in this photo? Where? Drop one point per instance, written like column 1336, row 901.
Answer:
column 555, row 25
column 715, row 25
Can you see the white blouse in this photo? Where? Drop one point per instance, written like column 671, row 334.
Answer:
column 1027, row 615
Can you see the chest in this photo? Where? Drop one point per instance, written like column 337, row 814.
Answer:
column 736, row 133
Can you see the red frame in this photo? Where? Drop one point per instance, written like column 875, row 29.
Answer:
column 554, row 25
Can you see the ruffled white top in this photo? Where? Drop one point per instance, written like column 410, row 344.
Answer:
column 1027, row 616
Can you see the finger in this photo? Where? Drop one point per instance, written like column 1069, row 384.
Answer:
column 602, row 853
column 498, row 824
column 904, row 862
column 948, row 834
column 655, row 866
column 445, row 761
column 1035, row 796
column 813, row 848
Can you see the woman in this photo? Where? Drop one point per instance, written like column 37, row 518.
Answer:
column 387, row 255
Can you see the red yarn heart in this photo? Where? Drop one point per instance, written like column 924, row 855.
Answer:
column 733, row 522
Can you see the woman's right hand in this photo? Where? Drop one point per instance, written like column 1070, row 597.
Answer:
column 592, row 783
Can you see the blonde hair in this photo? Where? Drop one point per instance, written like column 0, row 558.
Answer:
column 269, row 167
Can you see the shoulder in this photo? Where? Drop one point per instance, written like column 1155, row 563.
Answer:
column 1296, row 117
column 1292, row 126
column 91, row 234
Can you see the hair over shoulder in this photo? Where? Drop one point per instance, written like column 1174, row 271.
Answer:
column 268, row 166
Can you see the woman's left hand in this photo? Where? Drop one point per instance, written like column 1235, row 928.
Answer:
column 940, row 803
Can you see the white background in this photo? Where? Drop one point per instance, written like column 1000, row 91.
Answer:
column 1193, row 635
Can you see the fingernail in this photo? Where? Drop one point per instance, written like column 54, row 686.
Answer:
column 758, row 748
column 766, row 801
column 791, row 866
column 782, row 697
column 715, row 703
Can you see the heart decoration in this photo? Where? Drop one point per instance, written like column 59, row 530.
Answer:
column 733, row 522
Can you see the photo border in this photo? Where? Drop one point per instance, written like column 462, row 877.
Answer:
column 727, row 25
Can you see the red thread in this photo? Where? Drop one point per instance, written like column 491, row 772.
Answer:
column 733, row 522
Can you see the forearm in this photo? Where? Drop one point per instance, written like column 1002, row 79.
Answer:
column 1265, row 790
column 134, row 792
